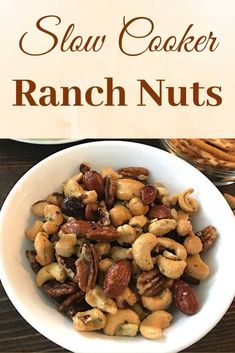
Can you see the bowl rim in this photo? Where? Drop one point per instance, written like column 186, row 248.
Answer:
column 7, row 285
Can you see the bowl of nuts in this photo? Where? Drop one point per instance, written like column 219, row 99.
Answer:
column 120, row 245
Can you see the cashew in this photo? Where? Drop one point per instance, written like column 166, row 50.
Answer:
column 196, row 268
column 128, row 188
column 170, row 201
column 126, row 234
column 186, row 203
column 162, row 226
column 52, row 271
column 97, row 299
column 129, row 330
column 78, row 177
column 102, row 248
column 122, row 317
column 138, row 221
column 230, row 199
column 158, row 302
column 34, row 230
column 50, row 227
column 193, row 245
column 90, row 320
column 179, row 250
column 137, row 207
column 105, row 264
column 52, row 213
column 118, row 253
column 55, row 198
column 153, row 325
column 170, row 268
column 161, row 189
column 126, row 298
column 142, row 248
column 119, row 215
column 72, row 188
column 44, row 249
column 66, row 246
column 184, row 227
column 37, row 208
column 109, row 171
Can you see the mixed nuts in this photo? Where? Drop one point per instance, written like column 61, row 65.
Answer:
column 115, row 252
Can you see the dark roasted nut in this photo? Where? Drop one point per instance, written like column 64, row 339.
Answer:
column 87, row 267
column 109, row 191
column 208, row 236
column 56, row 289
column 31, row 256
column 84, row 167
column 71, row 300
column 91, row 212
column 55, row 198
column 68, row 263
column 93, row 181
column 78, row 307
column 104, row 216
column 148, row 194
column 79, row 227
column 187, row 278
column 158, row 211
column 117, row 278
column 150, row 283
column 185, row 298
column 134, row 172
column 73, row 206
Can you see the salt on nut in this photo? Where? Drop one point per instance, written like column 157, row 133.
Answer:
column 158, row 302
column 142, row 248
column 126, row 234
column 97, row 299
column 44, row 249
column 193, row 245
column 138, row 221
column 197, row 268
column 118, row 253
column 52, row 271
column 152, row 326
column 119, row 215
column 72, row 188
column 66, row 246
column 90, row 320
column 137, row 207
column 116, row 323
column 128, row 188
column 186, row 203
column 32, row 231
column 162, row 226
column 37, row 208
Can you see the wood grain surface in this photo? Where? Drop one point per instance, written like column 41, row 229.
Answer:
column 16, row 335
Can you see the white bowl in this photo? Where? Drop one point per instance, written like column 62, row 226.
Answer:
column 215, row 294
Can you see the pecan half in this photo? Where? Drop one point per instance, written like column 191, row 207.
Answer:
column 150, row 283
column 56, row 289
column 109, row 191
column 134, row 172
column 31, row 256
column 104, row 216
column 87, row 267
column 71, row 300
column 117, row 278
column 93, row 181
column 91, row 212
column 68, row 263
column 208, row 236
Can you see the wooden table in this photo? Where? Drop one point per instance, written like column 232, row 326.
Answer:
column 16, row 335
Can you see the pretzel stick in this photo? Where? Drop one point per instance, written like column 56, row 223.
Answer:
column 213, row 150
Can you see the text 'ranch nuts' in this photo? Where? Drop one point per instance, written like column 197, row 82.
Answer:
column 118, row 254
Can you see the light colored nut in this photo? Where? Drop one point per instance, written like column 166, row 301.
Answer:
column 109, row 171
column 153, row 325
column 126, row 298
column 142, row 248
column 52, row 271
column 184, row 227
column 52, row 213
column 170, row 268
column 119, row 215
column 129, row 330
column 72, row 188
column 50, row 227
column 66, row 246
column 128, row 188
column 118, row 253
column 161, row 190
column 44, row 249
column 31, row 232
column 137, row 207
column 158, row 302
column 162, row 226
column 90, row 320
column 193, row 245
column 126, row 234
column 105, row 264
column 55, row 198
column 78, row 177
column 138, row 221
column 97, row 299
column 178, row 249
column 37, row 208
column 186, row 203
column 197, row 268
column 122, row 317
column 102, row 248
column 230, row 199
